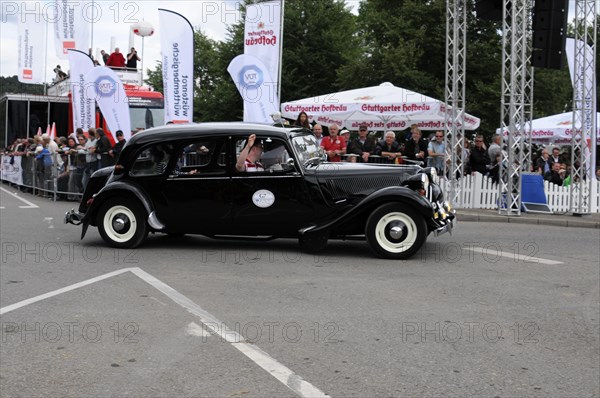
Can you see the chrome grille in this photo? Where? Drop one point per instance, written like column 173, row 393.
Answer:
column 343, row 187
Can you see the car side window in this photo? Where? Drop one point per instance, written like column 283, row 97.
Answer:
column 152, row 161
column 275, row 155
column 205, row 156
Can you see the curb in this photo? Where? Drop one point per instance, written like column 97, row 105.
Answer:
column 576, row 223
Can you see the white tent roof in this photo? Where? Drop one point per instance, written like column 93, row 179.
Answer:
column 379, row 107
column 556, row 129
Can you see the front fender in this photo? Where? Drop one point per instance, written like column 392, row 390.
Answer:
column 113, row 189
column 385, row 195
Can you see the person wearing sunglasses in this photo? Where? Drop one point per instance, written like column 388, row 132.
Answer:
column 436, row 151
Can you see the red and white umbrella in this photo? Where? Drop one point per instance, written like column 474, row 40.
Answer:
column 379, row 107
column 555, row 129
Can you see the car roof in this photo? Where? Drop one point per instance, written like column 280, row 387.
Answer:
column 171, row 132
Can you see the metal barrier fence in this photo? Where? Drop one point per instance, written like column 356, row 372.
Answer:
column 57, row 178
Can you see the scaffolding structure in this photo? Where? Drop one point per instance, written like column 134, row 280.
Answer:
column 583, row 138
column 517, row 89
column 456, row 37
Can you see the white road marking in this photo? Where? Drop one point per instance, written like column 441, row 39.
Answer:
column 493, row 253
column 258, row 356
column 28, row 203
column 53, row 293
column 2, row 207
column 193, row 329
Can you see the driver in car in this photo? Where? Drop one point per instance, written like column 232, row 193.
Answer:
column 249, row 159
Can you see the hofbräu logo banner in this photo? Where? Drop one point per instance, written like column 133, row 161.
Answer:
column 262, row 37
column 177, row 47
column 71, row 26
column 103, row 85
column 249, row 75
column 31, row 50
column 83, row 106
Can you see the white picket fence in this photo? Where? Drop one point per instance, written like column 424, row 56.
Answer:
column 479, row 192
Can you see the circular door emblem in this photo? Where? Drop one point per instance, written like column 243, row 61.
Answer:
column 263, row 198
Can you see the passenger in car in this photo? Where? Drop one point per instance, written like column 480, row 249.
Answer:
column 249, row 158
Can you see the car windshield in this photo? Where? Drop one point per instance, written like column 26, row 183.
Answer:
column 307, row 150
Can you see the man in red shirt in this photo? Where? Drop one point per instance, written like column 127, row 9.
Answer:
column 334, row 145
column 116, row 59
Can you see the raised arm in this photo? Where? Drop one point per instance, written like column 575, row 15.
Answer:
column 241, row 160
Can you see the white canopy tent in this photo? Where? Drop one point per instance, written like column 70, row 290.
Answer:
column 555, row 129
column 379, row 107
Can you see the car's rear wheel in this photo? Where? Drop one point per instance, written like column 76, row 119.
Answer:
column 122, row 223
column 395, row 231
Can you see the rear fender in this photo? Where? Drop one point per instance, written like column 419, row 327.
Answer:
column 116, row 189
column 396, row 194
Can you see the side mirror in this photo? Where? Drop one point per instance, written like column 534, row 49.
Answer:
column 290, row 162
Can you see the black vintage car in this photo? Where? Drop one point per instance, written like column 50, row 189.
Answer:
column 182, row 179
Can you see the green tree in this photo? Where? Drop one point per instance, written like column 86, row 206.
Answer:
column 319, row 37
column 404, row 43
column 11, row 84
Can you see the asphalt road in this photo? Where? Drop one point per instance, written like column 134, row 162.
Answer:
column 493, row 310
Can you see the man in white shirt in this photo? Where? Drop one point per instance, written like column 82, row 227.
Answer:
column 318, row 132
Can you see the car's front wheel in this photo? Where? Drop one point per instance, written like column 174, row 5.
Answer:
column 122, row 223
column 395, row 231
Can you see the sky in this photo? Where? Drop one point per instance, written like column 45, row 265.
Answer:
column 115, row 20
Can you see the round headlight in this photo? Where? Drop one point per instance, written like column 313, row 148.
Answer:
column 434, row 176
column 425, row 181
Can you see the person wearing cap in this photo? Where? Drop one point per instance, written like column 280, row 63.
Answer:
column 318, row 132
column 116, row 150
column 249, row 159
column 334, row 145
column 363, row 146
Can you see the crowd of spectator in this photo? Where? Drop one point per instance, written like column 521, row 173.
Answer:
column 116, row 60
column 67, row 161
column 412, row 147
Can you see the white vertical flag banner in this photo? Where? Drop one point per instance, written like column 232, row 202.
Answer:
column 83, row 106
column 104, row 85
column 32, row 47
column 260, row 100
column 71, row 26
column 262, row 37
column 177, row 48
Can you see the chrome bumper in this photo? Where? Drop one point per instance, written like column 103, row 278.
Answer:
column 446, row 228
column 73, row 217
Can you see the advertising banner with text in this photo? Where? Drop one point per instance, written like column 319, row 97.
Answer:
column 177, row 47
column 83, row 106
column 262, row 38
column 31, row 50
column 104, row 86
column 71, row 26
column 249, row 75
